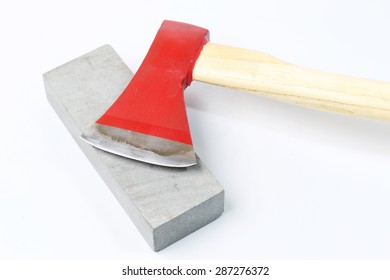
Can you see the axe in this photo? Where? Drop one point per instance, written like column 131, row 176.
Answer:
column 148, row 121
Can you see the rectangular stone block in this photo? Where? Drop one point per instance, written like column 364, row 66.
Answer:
column 165, row 204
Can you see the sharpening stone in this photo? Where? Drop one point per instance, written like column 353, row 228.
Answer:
column 165, row 204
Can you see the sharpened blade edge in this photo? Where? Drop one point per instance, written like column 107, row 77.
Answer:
column 141, row 147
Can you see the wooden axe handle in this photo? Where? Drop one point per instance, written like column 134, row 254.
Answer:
column 262, row 74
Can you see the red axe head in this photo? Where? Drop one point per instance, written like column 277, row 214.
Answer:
column 148, row 121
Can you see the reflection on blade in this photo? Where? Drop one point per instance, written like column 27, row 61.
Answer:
column 142, row 147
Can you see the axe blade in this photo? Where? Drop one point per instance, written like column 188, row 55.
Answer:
column 138, row 146
column 148, row 122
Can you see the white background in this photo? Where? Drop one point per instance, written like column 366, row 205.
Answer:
column 299, row 183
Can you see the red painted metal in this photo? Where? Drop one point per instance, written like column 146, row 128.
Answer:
column 153, row 102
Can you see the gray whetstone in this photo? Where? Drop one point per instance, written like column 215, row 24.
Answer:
column 165, row 204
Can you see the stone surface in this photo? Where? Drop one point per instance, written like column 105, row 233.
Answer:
column 165, row 204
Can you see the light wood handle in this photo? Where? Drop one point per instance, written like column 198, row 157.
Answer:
column 262, row 74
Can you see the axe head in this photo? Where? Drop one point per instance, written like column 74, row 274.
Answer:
column 148, row 121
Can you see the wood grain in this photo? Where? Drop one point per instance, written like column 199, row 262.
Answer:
column 266, row 75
